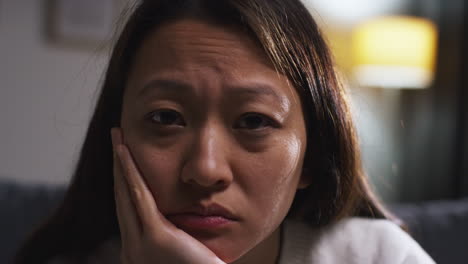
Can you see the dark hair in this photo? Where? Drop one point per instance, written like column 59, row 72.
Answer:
column 290, row 37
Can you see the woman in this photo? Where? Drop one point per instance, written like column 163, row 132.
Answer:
column 231, row 143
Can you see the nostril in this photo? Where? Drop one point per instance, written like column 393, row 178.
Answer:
column 206, row 164
column 217, row 179
column 221, row 183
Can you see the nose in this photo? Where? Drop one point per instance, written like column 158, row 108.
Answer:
column 207, row 163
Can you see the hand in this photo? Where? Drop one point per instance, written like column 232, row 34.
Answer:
column 147, row 236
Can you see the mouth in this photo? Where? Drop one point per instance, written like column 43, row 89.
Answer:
column 203, row 218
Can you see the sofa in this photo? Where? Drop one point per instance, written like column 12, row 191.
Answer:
column 441, row 227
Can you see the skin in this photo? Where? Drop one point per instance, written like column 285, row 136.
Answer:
column 206, row 119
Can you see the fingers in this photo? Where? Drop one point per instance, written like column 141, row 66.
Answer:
column 141, row 196
column 139, row 218
column 129, row 224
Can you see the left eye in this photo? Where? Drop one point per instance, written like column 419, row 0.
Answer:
column 254, row 121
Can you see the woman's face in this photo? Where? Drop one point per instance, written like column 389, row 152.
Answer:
column 212, row 125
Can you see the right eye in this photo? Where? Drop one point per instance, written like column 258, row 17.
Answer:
column 166, row 117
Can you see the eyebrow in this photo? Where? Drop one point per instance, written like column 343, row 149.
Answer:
column 166, row 86
column 257, row 89
column 247, row 89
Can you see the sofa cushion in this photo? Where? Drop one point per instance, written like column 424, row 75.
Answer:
column 23, row 208
column 440, row 227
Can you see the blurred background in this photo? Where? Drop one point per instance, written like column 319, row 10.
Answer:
column 404, row 63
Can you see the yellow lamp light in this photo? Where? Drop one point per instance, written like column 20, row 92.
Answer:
column 395, row 52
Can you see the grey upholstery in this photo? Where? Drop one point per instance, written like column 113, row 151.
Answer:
column 440, row 227
column 22, row 208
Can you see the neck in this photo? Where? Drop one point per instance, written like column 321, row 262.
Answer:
column 267, row 252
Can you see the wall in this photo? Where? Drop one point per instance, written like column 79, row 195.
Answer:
column 46, row 96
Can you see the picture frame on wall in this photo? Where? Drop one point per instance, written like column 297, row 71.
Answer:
column 80, row 23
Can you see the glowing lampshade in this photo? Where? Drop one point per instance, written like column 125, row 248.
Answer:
column 395, row 52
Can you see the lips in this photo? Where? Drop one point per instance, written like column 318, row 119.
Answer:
column 211, row 217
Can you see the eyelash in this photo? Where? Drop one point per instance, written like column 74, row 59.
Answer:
column 265, row 121
column 151, row 115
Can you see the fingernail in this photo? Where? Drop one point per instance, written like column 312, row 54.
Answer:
column 117, row 153
column 119, row 150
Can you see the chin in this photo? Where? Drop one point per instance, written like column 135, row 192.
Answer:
column 225, row 250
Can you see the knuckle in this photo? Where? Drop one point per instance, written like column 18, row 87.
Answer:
column 136, row 192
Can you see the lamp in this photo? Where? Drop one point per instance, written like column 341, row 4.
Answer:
column 394, row 52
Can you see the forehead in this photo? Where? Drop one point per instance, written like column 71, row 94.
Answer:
column 188, row 41
column 195, row 51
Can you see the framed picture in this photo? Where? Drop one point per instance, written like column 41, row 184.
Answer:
column 80, row 22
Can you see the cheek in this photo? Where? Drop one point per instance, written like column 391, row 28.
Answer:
column 274, row 179
column 157, row 167
column 270, row 186
column 279, row 168
column 154, row 165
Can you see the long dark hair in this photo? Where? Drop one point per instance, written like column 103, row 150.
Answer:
column 290, row 37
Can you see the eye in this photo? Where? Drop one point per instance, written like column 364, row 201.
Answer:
column 254, row 121
column 166, row 117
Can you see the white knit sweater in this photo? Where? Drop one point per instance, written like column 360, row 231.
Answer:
column 350, row 241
